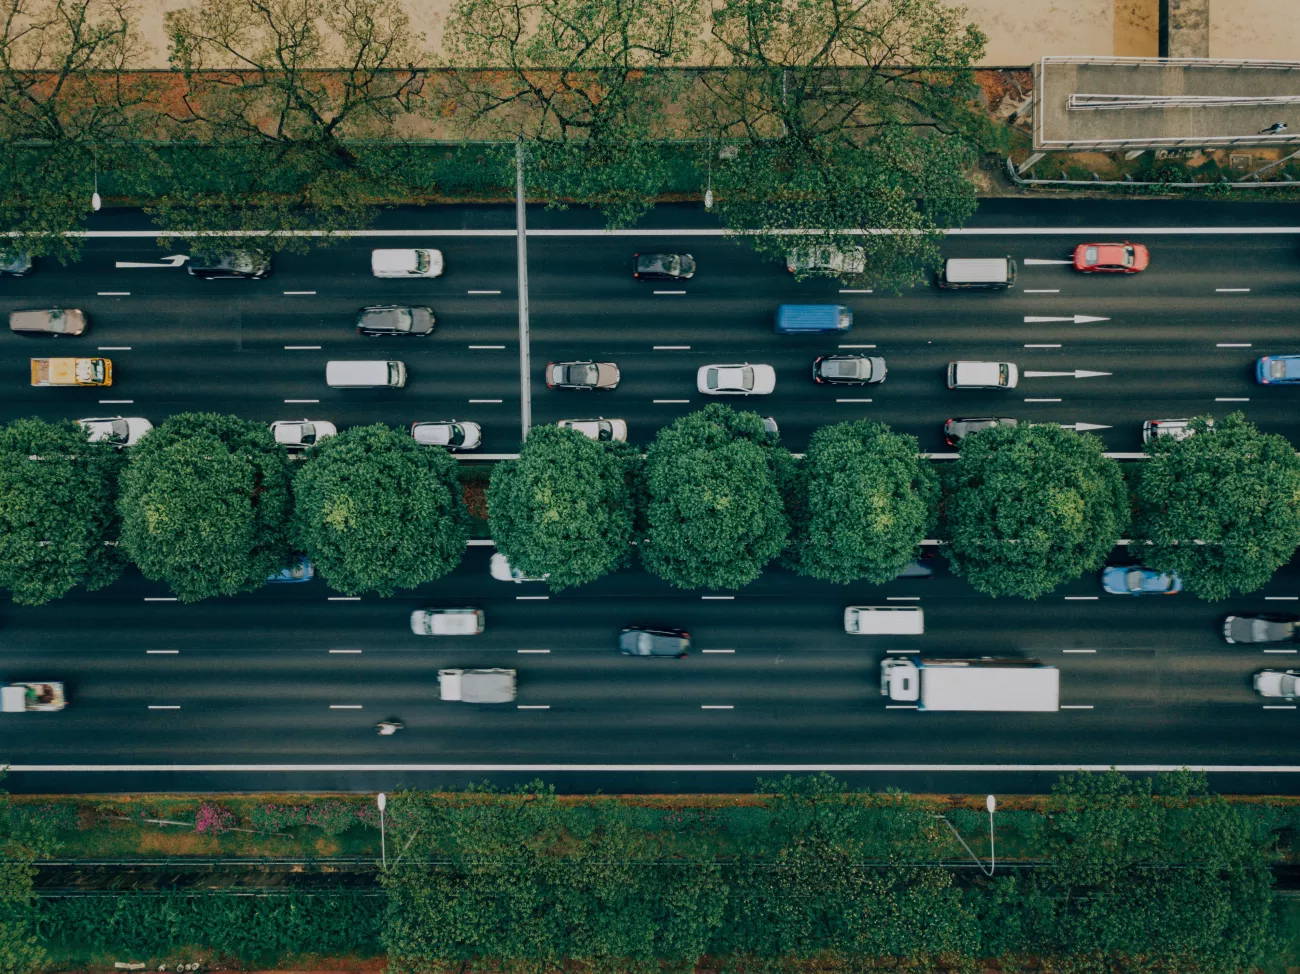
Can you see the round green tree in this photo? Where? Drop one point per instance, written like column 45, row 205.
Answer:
column 58, row 510
column 715, row 515
column 1221, row 507
column 377, row 511
column 563, row 508
column 1031, row 506
column 868, row 498
column 204, row 503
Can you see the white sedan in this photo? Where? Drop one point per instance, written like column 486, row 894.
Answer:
column 499, row 568
column 736, row 380
column 118, row 430
column 610, row 430
column 449, row 434
column 416, row 262
column 296, row 435
column 447, row 622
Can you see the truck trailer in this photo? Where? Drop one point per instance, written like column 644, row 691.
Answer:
column 17, row 698
column 477, row 686
column 972, row 684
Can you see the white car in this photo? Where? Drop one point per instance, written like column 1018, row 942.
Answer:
column 449, row 433
column 736, row 380
column 118, row 430
column 1179, row 429
column 982, row 375
column 614, row 430
column 297, row 435
column 447, row 622
column 502, row 572
column 826, row 260
column 416, row 262
column 1278, row 683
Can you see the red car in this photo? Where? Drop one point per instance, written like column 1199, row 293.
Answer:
column 1111, row 258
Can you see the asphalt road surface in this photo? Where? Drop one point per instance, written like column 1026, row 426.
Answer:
column 281, row 688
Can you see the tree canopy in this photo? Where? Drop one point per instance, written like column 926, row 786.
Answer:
column 564, row 508
column 835, row 115
column 1031, row 506
column 376, row 511
column 70, row 104
column 58, row 510
column 715, row 515
column 580, row 82
column 263, row 138
column 204, row 501
column 866, row 502
column 1221, row 507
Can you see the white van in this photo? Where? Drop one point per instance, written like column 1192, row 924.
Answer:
column 983, row 375
column 884, row 620
column 978, row 272
column 365, row 375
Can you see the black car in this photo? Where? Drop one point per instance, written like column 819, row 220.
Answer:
column 390, row 319
column 663, row 267
column 15, row 264
column 850, row 370
column 247, row 264
column 638, row 641
column 956, row 430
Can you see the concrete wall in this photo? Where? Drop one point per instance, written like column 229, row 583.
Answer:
column 1019, row 31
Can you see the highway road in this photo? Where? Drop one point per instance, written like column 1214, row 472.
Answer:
column 280, row 689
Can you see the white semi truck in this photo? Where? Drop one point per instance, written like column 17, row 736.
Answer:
column 477, row 686
column 972, row 684
column 17, row 698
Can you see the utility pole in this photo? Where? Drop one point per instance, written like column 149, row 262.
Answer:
column 521, row 248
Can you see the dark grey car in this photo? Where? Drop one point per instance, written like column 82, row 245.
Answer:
column 663, row 267
column 654, row 642
column 247, row 264
column 1260, row 629
column 390, row 319
column 15, row 264
column 852, row 370
column 956, row 430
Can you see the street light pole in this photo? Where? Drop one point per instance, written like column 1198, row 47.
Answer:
column 382, row 801
column 990, row 803
column 95, row 201
column 521, row 260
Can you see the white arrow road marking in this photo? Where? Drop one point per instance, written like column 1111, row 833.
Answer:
column 173, row 260
column 1031, row 261
column 1077, row 373
column 1082, row 427
column 1077, row 319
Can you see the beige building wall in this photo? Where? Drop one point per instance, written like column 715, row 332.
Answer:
column 1019, row 31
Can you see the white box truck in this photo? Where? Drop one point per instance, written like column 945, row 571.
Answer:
column 972, row 684
column 477, row 686
column 19, row 698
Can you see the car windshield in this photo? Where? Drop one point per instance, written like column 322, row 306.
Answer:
column 606, row 431
column 58, row 321
column 671, row 263
column 1288, row 686
column 587, row 374
column 1002, row 374
column 1276, row 369
column 118, row 429
column 645, row 642
column 1133, row 580
column 747, row 378
column 1129, row 256
column 422, row 262
column 455, row 434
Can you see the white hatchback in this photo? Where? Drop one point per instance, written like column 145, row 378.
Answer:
column 118, row 430
column 296, row 435
column 736, row 380
column 447, row 622
column 500, row 569
column 612, row 430
column 416, row 262
column 450, row 434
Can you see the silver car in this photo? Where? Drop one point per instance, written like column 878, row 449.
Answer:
column 1260, row 629
column 117, row 430
column 1277, row 683
column 49, row 321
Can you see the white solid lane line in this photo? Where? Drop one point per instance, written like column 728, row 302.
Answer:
column 1281, row 598
column 745, row 769
column 717, row 598
column 1076, row 706
column 901, row 706
column 291, row 401
column 531, row 598
column 1281, row 652
column 902, row 598
column 1288, row 706
column 120, row 402
column 1082, row 598
column 1042, row 400
column 663, row 402
column 1078, row 651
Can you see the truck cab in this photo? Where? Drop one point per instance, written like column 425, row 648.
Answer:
column 72, row 372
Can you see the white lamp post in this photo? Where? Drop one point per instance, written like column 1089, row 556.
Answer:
column 95, row 201
column 382, row 801
column 990, row 803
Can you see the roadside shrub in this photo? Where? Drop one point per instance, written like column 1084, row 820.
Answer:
column 61, row 817
column 212, row 818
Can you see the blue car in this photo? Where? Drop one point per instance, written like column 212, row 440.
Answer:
column 1135, row 580
column 1274, row 370
column 298, row 570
